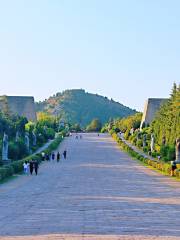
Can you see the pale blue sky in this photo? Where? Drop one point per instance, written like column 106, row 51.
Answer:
column 128, row 50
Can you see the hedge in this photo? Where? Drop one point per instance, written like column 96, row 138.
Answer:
column 17, row 166
column 158, row 165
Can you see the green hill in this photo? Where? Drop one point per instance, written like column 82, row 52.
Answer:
column 78, row 106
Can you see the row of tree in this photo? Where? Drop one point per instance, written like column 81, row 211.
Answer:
column 18, row 128
column 163, row 131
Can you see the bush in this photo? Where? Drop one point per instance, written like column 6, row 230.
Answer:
column 94, row 126
column 171, row 155
column 154, row 154
column 127, row 134
column 134, row 141
column 146, row 149
column 50, row 133
column 139, row 143
column 163, row 151
column 17, row 150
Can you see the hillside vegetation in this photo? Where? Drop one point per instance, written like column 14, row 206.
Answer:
column 78, row 106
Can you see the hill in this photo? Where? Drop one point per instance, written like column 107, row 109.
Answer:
column 78, row 106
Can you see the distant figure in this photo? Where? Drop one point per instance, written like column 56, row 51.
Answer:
column 76, row 136
column 43, row 156
column 58, row 157
column 47, row 157
column 173, row 168
column 36, row 166
column 98, row 134
column 53, row 156
column 80, row 136
column 31, row 167
column 26, row 166
column 65, row 154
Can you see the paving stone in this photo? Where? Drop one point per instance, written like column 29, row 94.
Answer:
column 99, row 192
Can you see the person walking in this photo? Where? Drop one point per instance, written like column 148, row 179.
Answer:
column 65, row 154
column 36, row 166
column 31, row 167
column 53, row 156
column 173, row 168
column 43, row 156
column 47, row 157
column 25, row 166
column 58, row 157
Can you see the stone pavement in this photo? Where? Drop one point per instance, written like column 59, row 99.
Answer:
column 98, row 193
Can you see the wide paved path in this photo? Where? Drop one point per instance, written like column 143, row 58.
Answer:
column 97, row 193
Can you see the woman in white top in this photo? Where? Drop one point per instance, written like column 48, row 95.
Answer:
column 26, row 166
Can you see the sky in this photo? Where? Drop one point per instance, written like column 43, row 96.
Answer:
column 125, row 50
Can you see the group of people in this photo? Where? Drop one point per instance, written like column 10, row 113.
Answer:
column 33, row 165
column 78, row 136
column 57, row 156
column 30, row 167
column 53, row 156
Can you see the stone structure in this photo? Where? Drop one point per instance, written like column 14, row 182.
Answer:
column 34, row 138
column 5, row 149
column 152, row 105
column 152, row 142
column 144, row 140
column 22, row 106
column 27, row 142
column 17, row 136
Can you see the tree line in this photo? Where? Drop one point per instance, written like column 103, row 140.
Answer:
column 165, row 128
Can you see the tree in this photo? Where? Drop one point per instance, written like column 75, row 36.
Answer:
column 167, row 121
column 126, row 124
column 94, row 126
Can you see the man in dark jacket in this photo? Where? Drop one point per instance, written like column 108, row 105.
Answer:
column 36, row 166
column 65, row 154
column 31, row 167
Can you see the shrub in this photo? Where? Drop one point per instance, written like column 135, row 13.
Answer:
column 50, row 133
column 163, row 151
column 154, row 154
column 171, row 153
column 17, row 150
column 146, row 149
column 139, row 143
column 127, row 134
column 134, row 141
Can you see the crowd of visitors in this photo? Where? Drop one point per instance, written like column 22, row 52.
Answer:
column 33, row 165
column 30, row 167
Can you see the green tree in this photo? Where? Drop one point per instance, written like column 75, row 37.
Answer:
column 167, row 121
column 94, row 126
